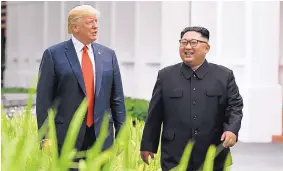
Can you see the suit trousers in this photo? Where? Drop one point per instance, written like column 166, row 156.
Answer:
column 89, row 140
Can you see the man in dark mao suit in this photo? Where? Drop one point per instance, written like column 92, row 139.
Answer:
column 194, row 100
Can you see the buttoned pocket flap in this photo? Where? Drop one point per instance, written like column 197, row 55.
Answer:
column 169, row 135
column 175, row 93
column 213, row 92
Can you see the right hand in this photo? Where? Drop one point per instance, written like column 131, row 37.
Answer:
column 46, row 145
column 145, row 154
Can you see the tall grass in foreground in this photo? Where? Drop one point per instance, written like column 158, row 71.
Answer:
column 21, row 150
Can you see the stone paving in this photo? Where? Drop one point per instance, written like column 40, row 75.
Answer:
column 15, row 99
column 246, row 156
column 257, row 157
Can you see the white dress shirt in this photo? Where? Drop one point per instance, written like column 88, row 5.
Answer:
column 79, row 50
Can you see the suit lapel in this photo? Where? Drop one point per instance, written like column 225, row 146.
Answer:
column 75, row 64
column 98, row 67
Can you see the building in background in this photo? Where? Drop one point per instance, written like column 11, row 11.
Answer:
column 3, row 39
column 245, row 36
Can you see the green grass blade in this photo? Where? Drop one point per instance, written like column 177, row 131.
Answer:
column 68, row 152
column 52, row 136
column 209, row 159
column 185, row 158
column 97, row 147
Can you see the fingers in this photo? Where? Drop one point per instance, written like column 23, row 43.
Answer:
column 226, row 141
column 151, row 155
column 144, row 156
column 223, row 136
column 229, row 139
column 229, row 142
column 46, row 143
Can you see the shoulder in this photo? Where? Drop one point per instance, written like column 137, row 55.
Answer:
column 56, row 47
column 54, row 50
column 220, row 69
column 103, row 47
column 106, row 52
column 222, row 72
column 170, row 69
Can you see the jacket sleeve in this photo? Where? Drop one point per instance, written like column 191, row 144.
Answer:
column 152, row 128
column 233, row 114
column 45, row 85
column 118, row 108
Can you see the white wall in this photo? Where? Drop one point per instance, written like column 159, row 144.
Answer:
column 281, row 45
column 244, row 36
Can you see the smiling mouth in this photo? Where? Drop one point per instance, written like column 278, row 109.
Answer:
column 189, row 53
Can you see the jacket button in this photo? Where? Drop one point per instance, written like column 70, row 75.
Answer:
column 195, row 117
column 196, row 131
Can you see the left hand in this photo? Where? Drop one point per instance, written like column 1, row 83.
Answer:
column 229, row 139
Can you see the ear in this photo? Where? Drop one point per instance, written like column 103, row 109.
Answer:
column 75, row 28
column 207, row 48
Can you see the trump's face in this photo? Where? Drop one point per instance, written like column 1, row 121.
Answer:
column 87, row 29
column 193, row 48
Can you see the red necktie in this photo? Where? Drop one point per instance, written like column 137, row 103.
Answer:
column 88, row 75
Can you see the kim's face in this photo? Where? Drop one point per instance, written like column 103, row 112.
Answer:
column 193, row 48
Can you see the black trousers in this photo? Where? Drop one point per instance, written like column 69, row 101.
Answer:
column 222, row 169
column 89, row 140
column 218, row 169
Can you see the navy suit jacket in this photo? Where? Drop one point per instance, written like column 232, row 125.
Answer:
column 61, row 86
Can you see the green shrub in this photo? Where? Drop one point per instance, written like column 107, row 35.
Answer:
column 14, row 90
column 136, row 108
column 21, row 150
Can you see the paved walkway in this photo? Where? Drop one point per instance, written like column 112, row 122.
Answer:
column 257, row 157
column 15, row 99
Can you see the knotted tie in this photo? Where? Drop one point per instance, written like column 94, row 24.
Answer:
column 88, row 75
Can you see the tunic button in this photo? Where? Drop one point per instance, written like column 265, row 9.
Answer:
column 196, row 131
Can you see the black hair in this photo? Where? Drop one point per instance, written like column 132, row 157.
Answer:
column 203, row 31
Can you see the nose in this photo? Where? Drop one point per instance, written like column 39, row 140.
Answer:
column 95, row 25
column 188, row 46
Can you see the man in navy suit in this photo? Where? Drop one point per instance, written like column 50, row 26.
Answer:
column 79, row 68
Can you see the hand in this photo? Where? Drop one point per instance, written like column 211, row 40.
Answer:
column 46, row 145
column 145, row 154
column 229, row 139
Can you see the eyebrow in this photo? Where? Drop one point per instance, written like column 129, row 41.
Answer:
column 196, row 39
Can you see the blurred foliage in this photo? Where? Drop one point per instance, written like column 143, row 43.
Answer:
column 21, row 144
